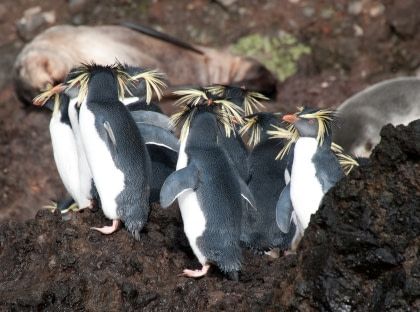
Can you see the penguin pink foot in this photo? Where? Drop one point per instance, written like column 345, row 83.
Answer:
column 83, row 208
column 92, row 204
column 197, row 273
column 108, row 229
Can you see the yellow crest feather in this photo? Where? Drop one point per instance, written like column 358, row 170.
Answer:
column 290, row 134
column 226, row 112
column 154, row 81
column 325, row 118
column 251, row 124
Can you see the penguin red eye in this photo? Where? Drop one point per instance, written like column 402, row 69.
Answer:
column 311, row 121
column 137, row 82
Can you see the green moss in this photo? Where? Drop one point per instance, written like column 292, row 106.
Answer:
column 279, row 54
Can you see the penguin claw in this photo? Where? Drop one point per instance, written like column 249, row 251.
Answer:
column 196, row 273
column 91, row 206
column 289, row 252
column 108, row 229
column 83, row 208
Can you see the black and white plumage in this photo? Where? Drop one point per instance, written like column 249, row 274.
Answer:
column 115, row 150
column 208, row 189
column 267, row 179
column 63, row 141
column 87, row 190
column 162, row 145
column 315, row 167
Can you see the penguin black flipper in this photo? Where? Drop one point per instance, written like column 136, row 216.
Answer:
column 142, row 105
column 247, row 194
column 158, row 136
column 178, row 182
column 151, row 117
column 331, row 171
column 284, row 210
column 163, row 162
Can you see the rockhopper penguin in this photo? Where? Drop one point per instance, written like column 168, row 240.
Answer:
column 248, row 101
column 115, row 150
column 162, row 145
column 88, row 194
column 266, row 181
column 315, row 167
column 62, row 139
column 208, row 189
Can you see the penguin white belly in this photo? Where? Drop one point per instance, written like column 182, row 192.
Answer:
column 192, row 215
column 65, row 155
column 182, row 156
column 85, row 174
column 109, row 180
column 305, row 189
column 194, row 221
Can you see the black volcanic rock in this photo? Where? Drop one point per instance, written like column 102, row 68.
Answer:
column 49, row 264
column 361, row 249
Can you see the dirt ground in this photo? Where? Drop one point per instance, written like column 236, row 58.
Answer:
column 353, row 44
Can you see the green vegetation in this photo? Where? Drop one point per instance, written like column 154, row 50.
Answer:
column 279, row 54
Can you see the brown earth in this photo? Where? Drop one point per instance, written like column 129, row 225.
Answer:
column 351, row 259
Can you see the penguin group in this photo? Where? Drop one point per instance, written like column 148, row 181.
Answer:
column 100, row 149
column 242, row 178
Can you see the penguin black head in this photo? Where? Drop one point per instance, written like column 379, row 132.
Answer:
column 196, row 101
column 144, row 82
column 72, row 86
column 313, row 122
column 81, row 76
column 246, row 99
column 256, row 126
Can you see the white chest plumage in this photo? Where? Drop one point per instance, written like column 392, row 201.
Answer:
column 85, row 175
column 109, row 180
column 65, row 155
column 192, row 215
column 305, row 190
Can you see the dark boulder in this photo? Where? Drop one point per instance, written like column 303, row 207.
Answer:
column 361, row 249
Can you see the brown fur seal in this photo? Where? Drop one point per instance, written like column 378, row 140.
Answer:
column 50, row 56
column 362, row 116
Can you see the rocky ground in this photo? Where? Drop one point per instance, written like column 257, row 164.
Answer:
column 360, row 252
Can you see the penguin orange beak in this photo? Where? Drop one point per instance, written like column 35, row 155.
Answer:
column 235, row 120
column 290, row 118
column 40, row 100
column 58, row 88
